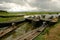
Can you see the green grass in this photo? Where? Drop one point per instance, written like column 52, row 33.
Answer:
column 26, row 13
column 41, row 35
column 46, row 31
column 10, row 19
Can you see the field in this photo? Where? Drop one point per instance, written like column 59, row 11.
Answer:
column 7, row 17
column 50, row 33
column 18, row 14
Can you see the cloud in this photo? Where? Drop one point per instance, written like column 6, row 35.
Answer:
column 30, row 5
column 16, row 7
column 26, row 7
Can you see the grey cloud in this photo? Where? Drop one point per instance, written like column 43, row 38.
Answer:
column 3, row 8
column 40, row 4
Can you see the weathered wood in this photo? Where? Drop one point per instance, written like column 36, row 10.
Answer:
column 9, row 29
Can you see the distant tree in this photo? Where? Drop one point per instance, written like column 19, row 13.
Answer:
column 2, row 11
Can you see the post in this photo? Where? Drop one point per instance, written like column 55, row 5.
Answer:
column 13, row 24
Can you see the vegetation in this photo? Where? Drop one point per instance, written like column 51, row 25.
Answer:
column 7, row 17
column 26, row 13
column 4, row 13
column 42, row 36
column 1, row 11
column 22, row 29
column 50, row 33
column 10, row 19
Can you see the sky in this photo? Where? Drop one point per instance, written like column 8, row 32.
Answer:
column 30, row 5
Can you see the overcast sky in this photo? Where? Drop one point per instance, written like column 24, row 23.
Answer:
column 30, row 5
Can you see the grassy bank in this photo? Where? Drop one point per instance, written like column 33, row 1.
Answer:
column 10, row 19
column 50, row 33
